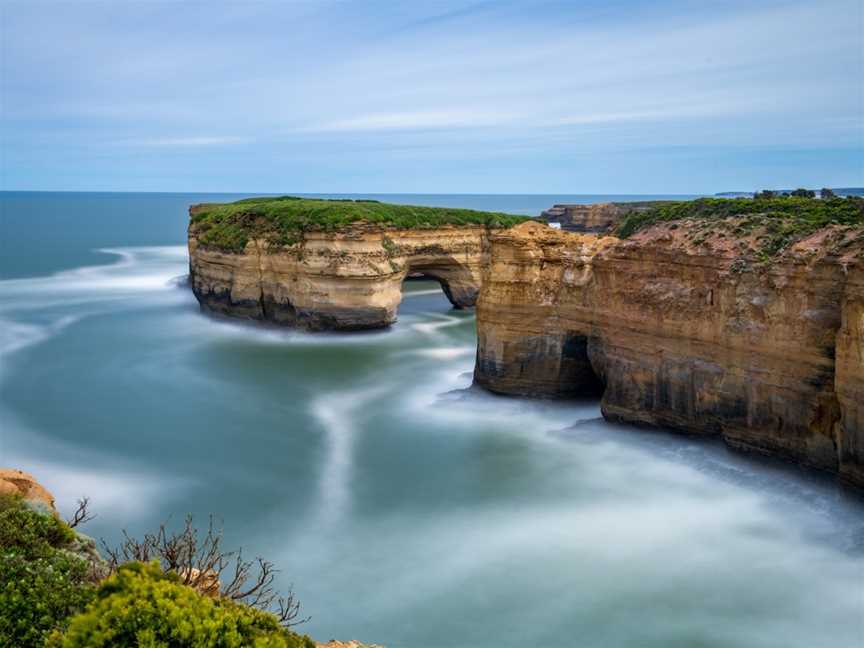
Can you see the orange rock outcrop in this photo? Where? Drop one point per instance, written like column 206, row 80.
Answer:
column 18, row 482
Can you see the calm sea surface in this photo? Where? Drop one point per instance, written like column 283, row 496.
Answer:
column 405, row 508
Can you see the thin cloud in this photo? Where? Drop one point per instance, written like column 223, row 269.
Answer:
column 490, row 89
column 421, row 120
column 185, row 142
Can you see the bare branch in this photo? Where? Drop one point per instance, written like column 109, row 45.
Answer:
column 81, row 514
column 201, row 563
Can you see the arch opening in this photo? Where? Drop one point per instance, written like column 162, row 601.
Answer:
column 459, row 284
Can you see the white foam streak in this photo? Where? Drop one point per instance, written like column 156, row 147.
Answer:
column 441, row 321
column 338, row 413
column 445, row 353
column 115, row 488
column 419, row 293
column 15, row 336
column 137, row 271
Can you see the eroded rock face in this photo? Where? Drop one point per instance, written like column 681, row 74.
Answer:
column 337, row 281
column 680, row 332
column 850, row 377
column 596, row 218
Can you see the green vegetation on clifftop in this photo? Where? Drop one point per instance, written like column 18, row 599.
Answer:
column 777, row 222
column 282, row 220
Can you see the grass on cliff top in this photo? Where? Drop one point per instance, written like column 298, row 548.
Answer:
column 282, row 220
column 778, row 222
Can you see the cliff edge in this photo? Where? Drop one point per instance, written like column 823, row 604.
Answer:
column 744, row 325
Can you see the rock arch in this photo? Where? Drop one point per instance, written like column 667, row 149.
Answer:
column 345, row 280
column 457, row 282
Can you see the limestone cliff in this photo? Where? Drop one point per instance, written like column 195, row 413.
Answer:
column 332, row 265
column 689, row 328
column 850, row 377
column 340, row 281
column 596, row 218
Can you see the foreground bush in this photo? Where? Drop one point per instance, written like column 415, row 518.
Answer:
column 143, row 607
column 54, row 589
column 43, row 579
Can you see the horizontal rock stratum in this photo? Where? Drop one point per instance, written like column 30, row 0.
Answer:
column 748, row 326
column 332, row 264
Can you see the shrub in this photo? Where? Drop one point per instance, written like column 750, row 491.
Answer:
column 142, row 606
column 803, row 193
column 42, row 580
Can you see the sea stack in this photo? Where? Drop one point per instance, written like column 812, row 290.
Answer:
column 332, row 264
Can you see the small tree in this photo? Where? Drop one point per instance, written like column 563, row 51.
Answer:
column 827, row 193
column 765, row 194
column 804, row 193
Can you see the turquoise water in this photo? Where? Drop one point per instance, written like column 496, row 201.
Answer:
column 406, row 508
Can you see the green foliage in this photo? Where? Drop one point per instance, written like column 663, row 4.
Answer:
column 282, row 220
column 28, row 532
column 42, row 582
column 780, row 220
column 803, row 193
column 141, row 606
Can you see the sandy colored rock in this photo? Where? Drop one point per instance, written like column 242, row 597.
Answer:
column 678, row 328
column 18, row 482
column 850, row 377
column 595, row 218
column 206, row 583
column 346, row 280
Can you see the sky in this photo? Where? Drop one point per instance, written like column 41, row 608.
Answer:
column 436, row 96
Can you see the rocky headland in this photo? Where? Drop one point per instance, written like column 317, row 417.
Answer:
column 732, row 318
column 332, row 264
column 596, row 218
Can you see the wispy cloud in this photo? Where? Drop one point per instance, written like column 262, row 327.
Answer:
column 184, row 142
column 538, row 88
column 418, row 120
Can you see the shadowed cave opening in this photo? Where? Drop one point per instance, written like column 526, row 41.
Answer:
column 580, row 356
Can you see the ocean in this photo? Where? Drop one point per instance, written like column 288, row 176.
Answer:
column 405, row 507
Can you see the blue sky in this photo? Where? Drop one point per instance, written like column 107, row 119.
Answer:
column 435, row 96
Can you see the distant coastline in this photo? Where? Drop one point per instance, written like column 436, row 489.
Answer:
column 840, row 191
